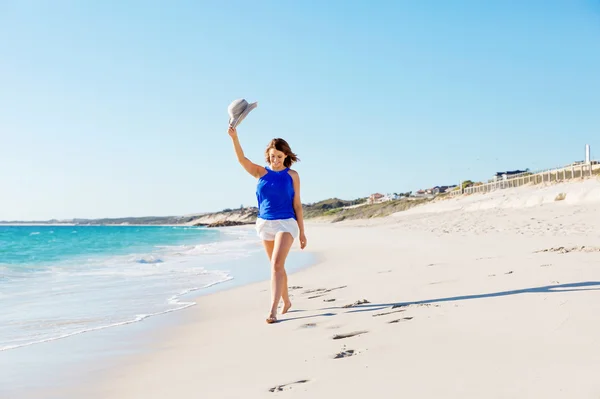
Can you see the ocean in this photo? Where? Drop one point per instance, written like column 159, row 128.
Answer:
column 61, row 282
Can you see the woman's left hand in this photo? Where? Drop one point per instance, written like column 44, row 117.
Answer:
column 302, row 241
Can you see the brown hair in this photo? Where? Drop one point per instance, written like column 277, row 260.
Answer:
column 283, row 146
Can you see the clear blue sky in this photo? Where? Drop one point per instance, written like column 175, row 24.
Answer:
column 111, row 108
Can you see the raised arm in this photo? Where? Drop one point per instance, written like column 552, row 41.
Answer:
column 298, row 207
column 252, row 168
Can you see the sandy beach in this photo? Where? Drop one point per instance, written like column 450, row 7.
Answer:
column 484, row 296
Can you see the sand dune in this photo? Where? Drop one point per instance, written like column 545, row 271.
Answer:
column 573, row 193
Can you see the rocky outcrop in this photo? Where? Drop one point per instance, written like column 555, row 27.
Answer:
column 228, row 217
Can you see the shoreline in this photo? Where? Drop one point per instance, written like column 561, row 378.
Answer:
column 121, row 338
column 131, row 340
column 164, row 327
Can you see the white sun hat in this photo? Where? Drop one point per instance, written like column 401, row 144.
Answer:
column 238, row 110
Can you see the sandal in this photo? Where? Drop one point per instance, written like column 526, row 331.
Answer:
column 271, row 320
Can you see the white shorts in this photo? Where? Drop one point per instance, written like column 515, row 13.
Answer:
column 267, row 229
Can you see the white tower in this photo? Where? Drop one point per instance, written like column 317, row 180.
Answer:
column 587, row 154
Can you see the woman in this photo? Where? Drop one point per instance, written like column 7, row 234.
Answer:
column 280, row 219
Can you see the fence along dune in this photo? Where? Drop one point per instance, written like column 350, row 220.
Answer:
column 560, row 174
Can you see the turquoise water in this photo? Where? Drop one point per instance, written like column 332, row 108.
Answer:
column 73, row 297
column 58, row 281
column 40, row 245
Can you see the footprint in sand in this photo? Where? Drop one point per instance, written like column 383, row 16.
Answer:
column 403, row 305
column 386, row 313
column 329, row 300
column 564, row 250
column 279, row 388
column 399, row 320
column 308, row 325
column 344, row 353
column 359, row 302
column 348, row 335
column 321, row 291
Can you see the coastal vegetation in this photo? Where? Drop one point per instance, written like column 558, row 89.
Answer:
column 335, row 210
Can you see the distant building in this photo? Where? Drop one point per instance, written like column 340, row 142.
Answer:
column 444, row 189
column 435, row 190
column 377, row 198
column 374, row 198
column 509, row 173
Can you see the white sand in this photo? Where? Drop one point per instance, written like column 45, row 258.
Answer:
column 493, row 326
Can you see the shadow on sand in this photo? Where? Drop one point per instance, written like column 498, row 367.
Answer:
column 583, row 286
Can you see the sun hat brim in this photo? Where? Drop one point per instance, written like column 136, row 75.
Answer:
column 235, row 121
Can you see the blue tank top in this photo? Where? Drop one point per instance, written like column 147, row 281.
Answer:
column 275, row 195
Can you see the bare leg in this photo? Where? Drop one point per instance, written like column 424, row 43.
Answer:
column 269, row 248
column 287, row 304
column 283, row 243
